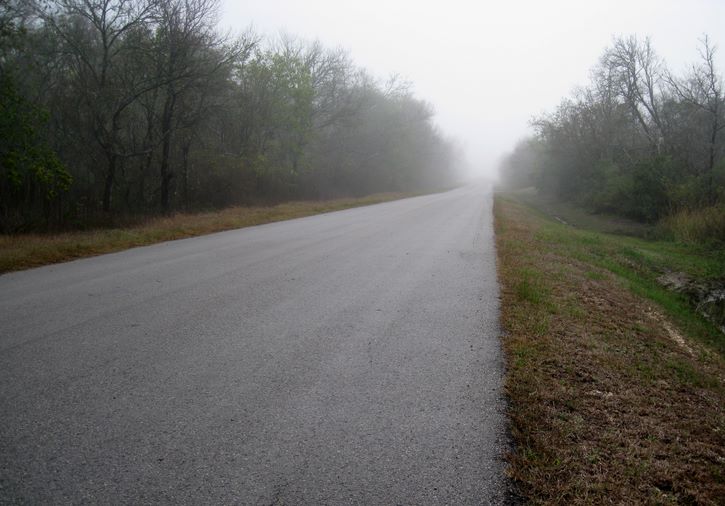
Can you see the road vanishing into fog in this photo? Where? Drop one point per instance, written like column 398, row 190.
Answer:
column 345, row 358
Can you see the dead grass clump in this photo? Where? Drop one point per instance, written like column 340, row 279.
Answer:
column 699, row 226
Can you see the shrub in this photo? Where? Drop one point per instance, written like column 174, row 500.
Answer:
column 702, row 226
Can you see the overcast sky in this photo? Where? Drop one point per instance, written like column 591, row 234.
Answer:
column 487, row 67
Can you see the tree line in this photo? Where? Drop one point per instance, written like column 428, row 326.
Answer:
column 637, row 140
column 118, row 107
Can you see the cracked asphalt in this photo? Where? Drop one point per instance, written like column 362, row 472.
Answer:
column 345, row 358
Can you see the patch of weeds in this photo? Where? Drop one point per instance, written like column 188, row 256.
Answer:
column 686, row 373
column 523, row 355
column 530, row 287
column 638, row 327
column 646, row 372
column 595, row 276
column 575, row 311
column 541, row 326
column 632, row 253
column 588, row 239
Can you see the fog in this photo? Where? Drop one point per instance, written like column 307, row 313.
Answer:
column 486, row 67
column 184, row 105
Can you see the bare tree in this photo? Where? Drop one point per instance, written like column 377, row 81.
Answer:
column 702, row 88
column 93, row 33
column 190, row 53
column 637, row 72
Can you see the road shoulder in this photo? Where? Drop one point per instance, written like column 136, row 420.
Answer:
column 608, row 397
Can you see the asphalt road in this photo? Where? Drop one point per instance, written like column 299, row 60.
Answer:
column 345, row 358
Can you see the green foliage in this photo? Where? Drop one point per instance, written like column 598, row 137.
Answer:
column 27, row 165
column 281, row 93
column 648, row 199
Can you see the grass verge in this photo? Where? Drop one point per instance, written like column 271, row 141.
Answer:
column 32, row 250
column 616, row 386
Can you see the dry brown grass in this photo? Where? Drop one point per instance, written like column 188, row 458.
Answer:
column 607, row 405
column 32, row 250
column 698, row 226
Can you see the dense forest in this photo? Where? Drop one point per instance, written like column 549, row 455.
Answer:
column 637, row 141
column 131, row 107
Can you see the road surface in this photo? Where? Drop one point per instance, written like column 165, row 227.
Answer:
column 345, row 358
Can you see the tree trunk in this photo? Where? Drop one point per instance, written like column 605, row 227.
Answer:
column 108, row 186
column 166, row 174
column 711, row 197
column 185, row 172
column 146, row 164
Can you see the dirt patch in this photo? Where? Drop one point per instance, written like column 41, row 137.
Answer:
column 610, row 402
column 671, row 331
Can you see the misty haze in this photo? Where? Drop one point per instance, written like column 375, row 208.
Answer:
column 279, row 252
